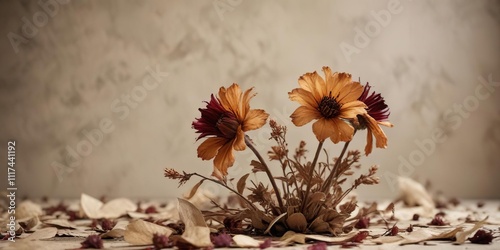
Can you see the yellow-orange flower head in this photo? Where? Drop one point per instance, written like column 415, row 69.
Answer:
column 224, row 121
column 330, row 101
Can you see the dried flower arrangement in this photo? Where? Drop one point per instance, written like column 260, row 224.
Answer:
column 311, row 196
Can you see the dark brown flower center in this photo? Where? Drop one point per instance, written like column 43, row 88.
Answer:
column 329, row 107
column 228, row 126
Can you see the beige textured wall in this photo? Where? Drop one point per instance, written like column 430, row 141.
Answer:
column 72, row 74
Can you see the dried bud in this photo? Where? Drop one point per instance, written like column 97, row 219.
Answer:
column 151, row 210
column 416, row 217
column 221, row 240
column 93, row 241
column 160, row 241
column 437, row 221
column 318, row 246
column 107, row 224
column 481, row 237
column 363, row 222
column 394, row 231
column 370, row 180
column 265, row 244
column 410, row 228
column 359, row 237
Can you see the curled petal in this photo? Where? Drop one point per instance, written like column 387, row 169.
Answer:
column 245, row 102
column 224, row 158
column 239, row 140
column 208, row 149
column 369, row 142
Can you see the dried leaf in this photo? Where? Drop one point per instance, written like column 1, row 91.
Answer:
column 240, row 186
column 95, row 209
column 60, row 223
column 116, row 208
column 271, row 224
column 461, row 237
column 44, row 233
column 245, row 241
column 117, row 231
column 257, row 166
column 196, row 231
column 414, row 194
column 425, row 234
column 194, row 189
column 141, row 232
column 28, row 209
column 29, row 223
column 293, row 237
column 90, row 206
column 387, row 239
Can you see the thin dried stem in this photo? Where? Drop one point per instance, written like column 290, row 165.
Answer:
column 268, row 172
column 229, row 188
column 311, row 172
column 334, row 173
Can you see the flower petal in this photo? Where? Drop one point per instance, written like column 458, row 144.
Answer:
column 313, row 83
column 342, row 131
column 303, row 97
column 350, row 92
column 323, row 128
column 230, row 99
column 369, row 142
column 239, row 140
column 255, row 119
column 208, row 149
column 245, row 102
column 380, row 137
column 337, row 82
column 224, row 158
column 303, row 115
column 351, row 109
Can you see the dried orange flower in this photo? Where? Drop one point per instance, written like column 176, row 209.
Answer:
column 377, row 114
column 224, row 121
column 330, row 101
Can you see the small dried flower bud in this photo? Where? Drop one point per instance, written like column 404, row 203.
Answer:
column 481, row 237
column 221, row 240
column 394, row 231
column 151, row 210
column 369, row 180
column 416, row 217
column 93, row 241
column 410, row 228
column 318, row 246
column 437, row 221
column 160, row 241
column 265, row 244
column 360, row 237
column 364, row 222
column 480, row 204
column 107, row 224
